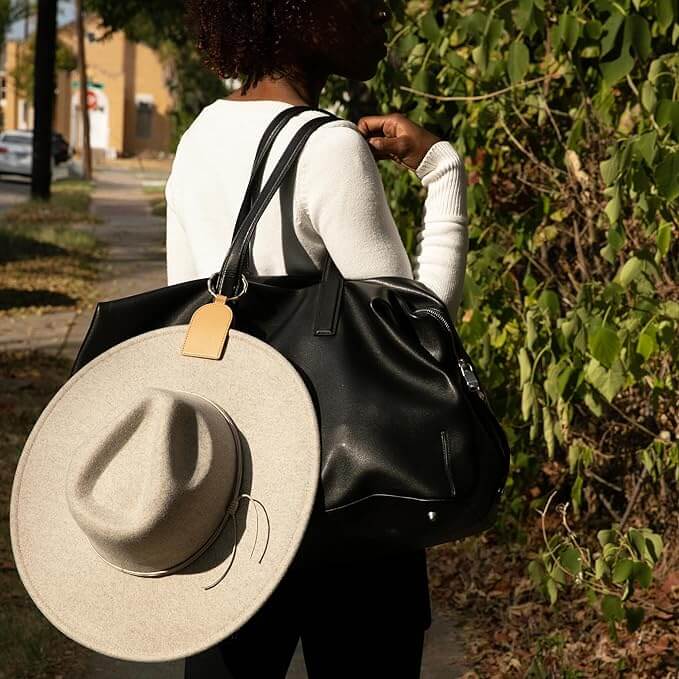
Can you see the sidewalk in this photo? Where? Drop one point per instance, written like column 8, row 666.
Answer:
column 136, row 241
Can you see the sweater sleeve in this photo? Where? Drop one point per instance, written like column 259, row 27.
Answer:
column 442, row 243
column 180, row 264
column 343, row 195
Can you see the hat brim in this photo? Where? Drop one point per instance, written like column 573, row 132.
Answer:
column 171, row 617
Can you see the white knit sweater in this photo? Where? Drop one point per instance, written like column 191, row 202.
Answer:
column 333, row 199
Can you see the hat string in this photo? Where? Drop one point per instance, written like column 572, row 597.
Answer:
column 233, row 553
column 180, row 566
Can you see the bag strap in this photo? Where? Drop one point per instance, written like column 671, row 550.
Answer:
column 265, row 144
column 233, row 268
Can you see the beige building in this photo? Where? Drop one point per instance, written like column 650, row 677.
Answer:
column 128, row 97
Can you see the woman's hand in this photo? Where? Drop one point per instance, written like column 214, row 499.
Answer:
column 398, row 138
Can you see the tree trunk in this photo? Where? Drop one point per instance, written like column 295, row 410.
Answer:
column 84, row 110
column 44, row 86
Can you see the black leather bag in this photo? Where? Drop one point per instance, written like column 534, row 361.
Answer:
column 412, row 453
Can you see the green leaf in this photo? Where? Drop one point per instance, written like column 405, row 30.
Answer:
column 648, row 98
column 666, row 176
column 607, row 382
column 406, row 45
column 548, row 429
column 517, row 61
column 663, row 239
column 593, row 404
column 524, row 366
column 634, row 616
column 615, row 381
column 536, row 572
column 613, row 71
column 480, row 55
column 593, row 29
column 664, row 12
column 670, row 309
column 531, row 331
column 639, row 33
column 528, row 400
column 550, row 585
column 613, row 207
column 569, row 30
column 494, row 32
column 636, row 537
column 622, row 570
column 609, row 169
column 576, row 493
column 610, row 30
column 646, row 344
column 645, row 147
column 605, row 536
column 570, row 560
column 600, row 568
column 563, row 380
column 429, row 27
column 422, row 80
column 642, row 574
column 574, row 453
column 629, row 271
column 667, row 114
column 526, row 16
column 610, row 551
column 615, row 238
column 549, row 302
column 611, row 607
column 604, row 345
column 654, row 546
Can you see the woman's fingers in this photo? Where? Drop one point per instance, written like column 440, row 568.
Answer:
column 377, row 126
column 387, row 147
column 394, row 136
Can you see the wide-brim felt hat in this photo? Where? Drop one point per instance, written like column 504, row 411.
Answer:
column 160, row 498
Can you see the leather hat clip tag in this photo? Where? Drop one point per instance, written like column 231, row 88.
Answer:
column 208, row 329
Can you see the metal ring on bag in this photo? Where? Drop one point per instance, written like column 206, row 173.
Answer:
column 212, row 291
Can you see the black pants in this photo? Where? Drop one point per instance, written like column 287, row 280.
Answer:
column 366, row 618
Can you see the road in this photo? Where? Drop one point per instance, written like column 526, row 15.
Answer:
column 13, row 190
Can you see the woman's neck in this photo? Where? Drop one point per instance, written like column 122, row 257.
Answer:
column 304, row 92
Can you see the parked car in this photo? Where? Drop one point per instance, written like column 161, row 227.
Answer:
column 60, row 148
column 16, row 151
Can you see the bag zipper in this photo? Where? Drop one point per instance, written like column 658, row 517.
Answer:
column 446, row 461
column 469, row 376
column 466, row 368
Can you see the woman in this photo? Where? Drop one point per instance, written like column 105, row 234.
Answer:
column 366, row 618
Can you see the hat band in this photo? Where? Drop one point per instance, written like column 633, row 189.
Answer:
column 230, row 512
column 201, row 550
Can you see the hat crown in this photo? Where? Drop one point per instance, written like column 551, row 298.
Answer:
column 155, row 483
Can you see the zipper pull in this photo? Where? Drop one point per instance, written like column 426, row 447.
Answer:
column 469, row 377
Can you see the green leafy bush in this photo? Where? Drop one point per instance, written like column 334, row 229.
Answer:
column 568, row 118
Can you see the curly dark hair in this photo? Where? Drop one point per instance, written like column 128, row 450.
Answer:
column 249, row 39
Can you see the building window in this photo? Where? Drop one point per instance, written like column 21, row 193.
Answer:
column 145, row 110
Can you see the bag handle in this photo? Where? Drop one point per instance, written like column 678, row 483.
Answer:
column 231, row 274
column 265, row 144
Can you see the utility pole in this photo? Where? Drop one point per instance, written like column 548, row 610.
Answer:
column 84, row 108
column 44, row 85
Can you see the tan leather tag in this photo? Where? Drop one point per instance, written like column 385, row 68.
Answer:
column 208, row 329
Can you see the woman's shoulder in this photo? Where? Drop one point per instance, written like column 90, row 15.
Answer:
column 338, row 144
column 340, row 133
